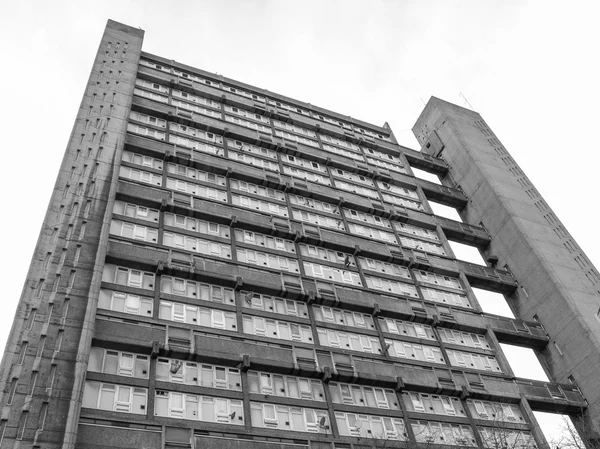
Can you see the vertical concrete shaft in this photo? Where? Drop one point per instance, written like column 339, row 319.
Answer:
column 66, row 266
column 561, row 283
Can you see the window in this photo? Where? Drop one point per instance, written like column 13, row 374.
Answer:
column 321, row 220
column 267, row 260
column 352, row 177
column 427, row 403
column 368, row 426
column 246, row 114
column 294, row 128
column 201, row 316
column 474, row 361
column 145, row 131
column 347, row 340
column 386, row 164
column 119, row 363
column 384, row 267
column 133, row 231
column 366, row 231
column 199, row 408
column 307, row 175
column 507, row 438
column 141, row 160
column 415, row 230
column 150, row 85
column 2, row 430
column 282, row 330
column 264, row 241
column 30, row 319
column 22, row 353
column 248, row 148
column 272, row 304
column 125, row 302
column 204, row 375
column 198, row 175
column 252, row 160
column 135, row 211
column 289, row 418
column 286, row 386
column 22, row 425
column 117, row 398
column 438, row 279
column 495, row 411
column 443, row 433
column 422, row 245
column 196, row 245
column 398, row 288
column 258, row 205
column 359, row 190
column 41, row 344
column 398, row 190
column 197, row 190
column 339, row 142
column 265, row 192
column 314, row 204
column 343, row 317
column 32, row 382
column 12, row 390
column 51, row 378
column 414, row 351
column 195, row 107
column 150, row 95
column 138, row 116
column 198, row 290
column 403, row 202
column 342, row 393
column 464, row 338
column 329, row 255
column 127, row 276
column 367, row 218
column 295, row 137
column 196, row 225
column 407, row 328
column 331, row 273
column 249, row 124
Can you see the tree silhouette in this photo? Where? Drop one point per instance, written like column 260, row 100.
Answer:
column 576, row 435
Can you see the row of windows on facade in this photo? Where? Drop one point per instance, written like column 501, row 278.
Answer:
column 235, row 115
column 349, row 424
column 196, row 407
column 205, row 375
column 408, row 194
column 260, row 258
column 253, row 96
column 332, row 219
column 290, row 331
column 213, row 376
column 425, row 236
column 191, row 314
column 392, row 194
column 212, row 248
column 211, row 229
column 294, row 332
column 211, row 143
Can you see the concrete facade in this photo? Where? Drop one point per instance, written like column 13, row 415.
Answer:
column 222, row 266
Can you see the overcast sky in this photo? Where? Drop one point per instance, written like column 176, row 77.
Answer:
column 530, row 68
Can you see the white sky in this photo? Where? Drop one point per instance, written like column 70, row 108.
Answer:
column 529, row 67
